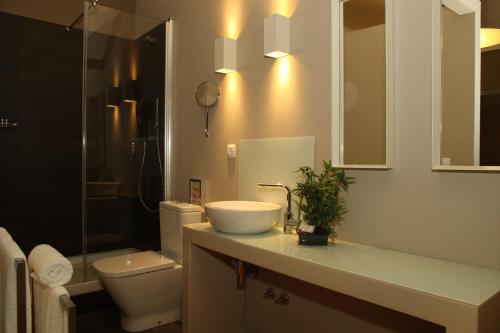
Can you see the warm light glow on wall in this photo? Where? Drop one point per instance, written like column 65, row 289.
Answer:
column 232, row 104
column 233, row 17
column 283, row 7
column 283, row 70
column 133, row 120
column 282, row 87
column 133, row 63
column 116, row 74
column 231, row 83
column 116, row 122
column 232, row 29
column 490, row 37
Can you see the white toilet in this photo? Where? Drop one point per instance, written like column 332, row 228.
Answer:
column 147, row 286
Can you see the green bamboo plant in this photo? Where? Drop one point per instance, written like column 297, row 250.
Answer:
column 319, row 197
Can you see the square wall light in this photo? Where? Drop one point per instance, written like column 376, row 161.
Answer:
column 276, row 36
column 225, row 55
column 131, row 91
column 113, row 97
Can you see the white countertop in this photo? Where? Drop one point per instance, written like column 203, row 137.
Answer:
column 462, row 298
column 454, row 281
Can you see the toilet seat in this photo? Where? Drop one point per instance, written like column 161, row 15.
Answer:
column 132, row 264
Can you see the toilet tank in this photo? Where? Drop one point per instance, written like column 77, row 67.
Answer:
column 173, row 215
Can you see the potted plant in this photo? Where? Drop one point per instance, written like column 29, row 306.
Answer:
column 320, row 201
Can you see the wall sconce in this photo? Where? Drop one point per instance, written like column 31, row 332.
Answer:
column 131, row 91
column 225, row 55
column 276, row 36
column 490, row 23
column 113, row 97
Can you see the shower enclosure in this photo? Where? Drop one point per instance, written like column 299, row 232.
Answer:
column 126, row 126
column 84, row 175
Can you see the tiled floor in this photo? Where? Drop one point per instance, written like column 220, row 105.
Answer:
column 97, row 314
column 108, row 321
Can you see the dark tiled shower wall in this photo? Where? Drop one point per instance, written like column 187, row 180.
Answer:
column 40, row 161
column 152, row 81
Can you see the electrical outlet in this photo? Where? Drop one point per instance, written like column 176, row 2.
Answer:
column 231, row 151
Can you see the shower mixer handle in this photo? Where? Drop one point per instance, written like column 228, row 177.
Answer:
column 132, row 148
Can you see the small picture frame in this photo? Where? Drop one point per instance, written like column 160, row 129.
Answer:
column 195, row 195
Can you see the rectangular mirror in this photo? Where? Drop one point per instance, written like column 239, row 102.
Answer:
column 466, row 103
column 362, row 122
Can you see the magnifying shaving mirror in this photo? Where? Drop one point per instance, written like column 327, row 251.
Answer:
column 207, row 96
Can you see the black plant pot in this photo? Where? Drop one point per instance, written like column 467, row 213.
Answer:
column 306, row 238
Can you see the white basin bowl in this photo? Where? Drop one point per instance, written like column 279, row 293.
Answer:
column 242, row 217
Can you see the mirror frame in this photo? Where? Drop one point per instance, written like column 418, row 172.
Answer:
column 216, row 99
column 437, row 84
column 338, row 88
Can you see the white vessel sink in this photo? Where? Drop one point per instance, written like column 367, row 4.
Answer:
column 242, row 217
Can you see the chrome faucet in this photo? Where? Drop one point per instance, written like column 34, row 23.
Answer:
column 288, row 221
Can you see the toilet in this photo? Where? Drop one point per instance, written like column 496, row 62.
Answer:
column 147, row 286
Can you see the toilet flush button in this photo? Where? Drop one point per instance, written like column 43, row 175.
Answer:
column 231, row 151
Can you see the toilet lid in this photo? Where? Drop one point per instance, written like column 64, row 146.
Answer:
column 132, row 264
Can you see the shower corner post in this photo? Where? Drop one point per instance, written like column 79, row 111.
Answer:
column 169, row 109
column 84, row 142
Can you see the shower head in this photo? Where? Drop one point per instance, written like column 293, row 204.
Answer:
column 151, row 39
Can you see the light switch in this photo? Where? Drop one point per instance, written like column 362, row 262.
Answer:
column 231, row 151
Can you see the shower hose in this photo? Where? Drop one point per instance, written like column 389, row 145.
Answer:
column 151, row 210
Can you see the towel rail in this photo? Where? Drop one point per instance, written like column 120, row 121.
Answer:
column 22, row 320
column 71, row 307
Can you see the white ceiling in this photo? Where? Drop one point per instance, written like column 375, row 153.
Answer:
column 103, row 19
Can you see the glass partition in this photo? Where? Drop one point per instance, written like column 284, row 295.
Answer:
column 124, row 108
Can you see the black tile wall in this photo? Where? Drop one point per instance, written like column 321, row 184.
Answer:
column 40, row 161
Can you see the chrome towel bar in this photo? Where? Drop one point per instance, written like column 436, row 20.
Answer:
column 4, row 123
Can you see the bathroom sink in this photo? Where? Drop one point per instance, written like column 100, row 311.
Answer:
column 242, row 217
column 102, row 189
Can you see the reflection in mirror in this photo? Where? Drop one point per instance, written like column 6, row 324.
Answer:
column 364, row 110
column 207, row 96
column 467, row 118
column 457, row 138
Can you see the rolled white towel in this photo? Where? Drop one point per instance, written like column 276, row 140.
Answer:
column 4, row 234
column 9, row 252
column 49, row 266
column 50, row 315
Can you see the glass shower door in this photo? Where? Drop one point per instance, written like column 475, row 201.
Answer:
column 124, row 103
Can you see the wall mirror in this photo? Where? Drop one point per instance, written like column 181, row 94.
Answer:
column 466, row 75
column 362, row 122
column 207, row 96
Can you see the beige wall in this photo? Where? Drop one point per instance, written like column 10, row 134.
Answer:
column 265, row 98
column 458, row 88
column 455, row 216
